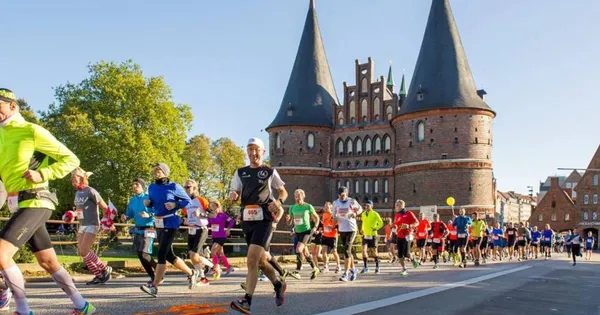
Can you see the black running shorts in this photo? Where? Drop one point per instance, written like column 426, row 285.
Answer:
column 421, row 243
column 197, row 240
column 258, row 233
column 330, row 242
column 403, row 248
column 303, row 237
column 28, row 225
column 371, row 243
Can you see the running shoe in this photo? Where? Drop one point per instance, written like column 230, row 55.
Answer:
column 435, row 266
column 241, row 306
column 325, row 270
column 86, row 310
column 17, row 313
column 344, row 277
column 352, row 275
column 193, row 279
column 107, row 275
column 403, row 272
column 415, row 263
column 263, row 278
column 337, row 269
column 364, row 270
column 243, row 285
column 96, row 280
column 202, row 282
column 314, row 274
column 5, row 297
column 377, row 271
column 216, row 276
column 229, row 270
column 150, row 290
column 280, row 294
column 296, row 275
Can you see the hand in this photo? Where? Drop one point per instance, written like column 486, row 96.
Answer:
column 287, row 217
column 274, row 206
column 227, row 232
column 144, row 215
column 170, row 205
column 233, row 196
column 351, row 215
column 147, row 202
column 33, row 176
column 123, row 218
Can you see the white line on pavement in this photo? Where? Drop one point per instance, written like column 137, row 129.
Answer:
column 355, row 309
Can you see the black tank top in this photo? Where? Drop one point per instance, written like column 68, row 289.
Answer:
column 256, row 183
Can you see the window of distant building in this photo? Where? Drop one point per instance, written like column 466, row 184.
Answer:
column 375, row 186
column 567, row 217
column 366, row 186
column 356, row 187
column 569, row 185
column 594, row 216
column 595, row 199
column 586, row 199
column 553, row 217
column 420, row 131
column 585, row 216
column 540, row 218
column 595, row 180
column 385, row 186
column 310, row 141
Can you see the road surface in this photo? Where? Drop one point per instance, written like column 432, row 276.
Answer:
column 532, row 287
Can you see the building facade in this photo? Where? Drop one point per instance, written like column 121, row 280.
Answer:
column 421, row 145
column 588, row 190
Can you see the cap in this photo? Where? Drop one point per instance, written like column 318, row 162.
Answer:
column 164, row 168
column 81, row 173
column 141, row 182
column 256, row 141
column 369, row 202
column 342, row 189
column 7, row 95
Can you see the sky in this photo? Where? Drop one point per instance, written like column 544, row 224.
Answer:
column 231, row 60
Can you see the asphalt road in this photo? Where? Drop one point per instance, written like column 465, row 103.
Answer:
column 532, row 287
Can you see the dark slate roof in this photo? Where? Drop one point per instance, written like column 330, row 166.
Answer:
column 310, row 91
column 442, row 72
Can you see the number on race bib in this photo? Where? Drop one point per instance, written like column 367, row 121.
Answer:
column 159, row 223
column 328, row 229
column 253, row 214
column 13, row 202
column 368, row 237
column 192, row 231
column 215, row 227
column 151, row 233
column 298, row 220
column 462, row 235
column 436, row 240
column 511, row 232
column 421, row 234
column 547, row 239
column 80, row 214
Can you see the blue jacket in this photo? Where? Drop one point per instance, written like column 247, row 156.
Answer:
column 135, row 207
column 462, row 224
column 163, row 193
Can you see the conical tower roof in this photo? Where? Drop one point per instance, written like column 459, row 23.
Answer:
column 442, row 73
column 310, row 92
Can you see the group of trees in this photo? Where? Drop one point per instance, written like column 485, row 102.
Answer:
column 120, row 123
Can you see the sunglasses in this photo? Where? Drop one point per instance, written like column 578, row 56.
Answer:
column 187, row 187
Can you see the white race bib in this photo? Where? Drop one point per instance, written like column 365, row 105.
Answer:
column 436, row 240
column 79, row 214
column 368, row 237
column 495, row 237
column 328, row 229
column 192, row 231
column 215, row 227
column 462, row 235
column 253, row 214
column 159, row 223
column 298, row 220
column 547, row 239
column 453, row 233
column 421, row 234
column 150, row 233
column 13, row 203
column 511, row 232
column 521, row 238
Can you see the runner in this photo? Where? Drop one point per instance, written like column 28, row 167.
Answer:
column 371, row 223
column 574, row 244
column 462, row 224
column 453, row 242
column 25, row 170
column 511, row 234
column 547, row 238
column 528, row 251
column 196, row 218
column 144, row 232
column 302, row 214
column 536, row 237
column 522, row 241
column 422, row 229
column 478, row 229
column 254, row 184
column 568, row 244
column 220, row 224
column 404, row 221
column 317, row 240
column 345, row 210
column 330, row 236
column 87, row 204
column 589, row 245
column 439, row 231
column 388, row 239
column 166, row 198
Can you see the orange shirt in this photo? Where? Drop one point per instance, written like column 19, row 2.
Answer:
column 422, row 229
column 329, row 226
column 452, row 230
column 388, row 232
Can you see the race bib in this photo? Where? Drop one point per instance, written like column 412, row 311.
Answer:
column 159, row 223
column 215, row 227
column 13, row 202
column 298, row 220
column 80, row 214
column 436, row 240
column 368, row 237
column 547, row 239
column 253, row 214
column 453, row 233
column 341, row 213
column 151, row 233
column 192, row 231
column 511, row 232
column 462, row 235
column 495, row 237
column 394, row 231
column 328, row 229
column 421, row 234
column 521, row 238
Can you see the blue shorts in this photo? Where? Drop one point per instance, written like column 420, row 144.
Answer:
column 588, row 248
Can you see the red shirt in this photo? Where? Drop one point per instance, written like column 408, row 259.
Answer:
column 407, row 218
column 422, row 229
column 452, row 231
column 439, row 228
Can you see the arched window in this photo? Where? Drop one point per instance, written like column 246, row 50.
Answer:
column 585, row 216
column 567, row 217
column 359, row 147
column 364, row 110
column 385, row 199
column 376, row 186
column 387, row 144
column 277, row 141
column 348, row 184
column 340, row 118
column 339, row 184
column 352, row 112
column 420, row 131
column 586, row 199
column 595, row 199
column 310, row 141
column 357, row 164
column 594, row 216
column 349, row 146
column 376, row 108
column 356, row 187
column 389, row 112
column 386, row 162
column 553, row 217
column 368, row 146
column 340, row 147
column 540, row 218
column 366, row 186
column 595, row 180
column 364, row 86
column 377, row 145
column 385, row 186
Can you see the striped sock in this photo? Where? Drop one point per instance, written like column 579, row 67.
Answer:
column 91, row 261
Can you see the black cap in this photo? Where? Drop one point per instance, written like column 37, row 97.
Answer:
column 342, row 189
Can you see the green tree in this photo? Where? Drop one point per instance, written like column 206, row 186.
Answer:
column 228, row 157
column 200, row 163
column 119, row 123
column 27, row 112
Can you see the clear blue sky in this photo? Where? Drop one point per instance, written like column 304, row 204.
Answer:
column 230, row 60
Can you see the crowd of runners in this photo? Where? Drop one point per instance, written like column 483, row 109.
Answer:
column 156, row 210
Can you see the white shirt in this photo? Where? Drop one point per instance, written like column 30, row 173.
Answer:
column 342, row 211
column 192, row 219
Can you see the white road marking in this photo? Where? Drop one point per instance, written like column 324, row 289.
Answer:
column 365, row 307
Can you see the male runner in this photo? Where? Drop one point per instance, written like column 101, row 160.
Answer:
column 511, row 235
column 404, row 221
column 462, row 224
column 478, row 229
column 25, row 170
column 254, row 185
column 536, row 236
column 371, row 223
column 439, row 231
column 422, row 229
column 522, row 237
column 589, row 245
column 302, row 214
column 345, row 210
column 5, row 293
column 547, row 238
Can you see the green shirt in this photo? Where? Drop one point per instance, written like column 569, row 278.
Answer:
column 301, row 216
column 23, row 144
column 371, row 222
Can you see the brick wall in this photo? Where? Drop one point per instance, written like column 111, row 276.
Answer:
column 555, row 202
column 293, row 148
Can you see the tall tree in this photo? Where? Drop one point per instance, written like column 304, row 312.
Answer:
column 27, row 111
column 228, row 157
column 200, row 163
column 119, row 123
